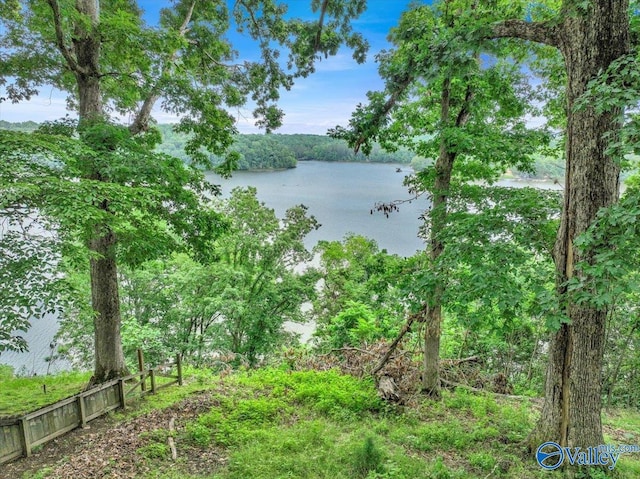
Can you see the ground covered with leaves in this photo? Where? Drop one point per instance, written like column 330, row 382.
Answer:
column 277, row 423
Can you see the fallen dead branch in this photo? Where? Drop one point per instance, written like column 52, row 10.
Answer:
column 478, row 390
column 456, row 362
column 405, row 329
column 345, row 349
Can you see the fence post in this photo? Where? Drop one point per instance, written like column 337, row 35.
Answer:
column 81, row 411
column 152, row 375
column 123, row 399
column 24, row 434
column 179, row 366
column 143, row 384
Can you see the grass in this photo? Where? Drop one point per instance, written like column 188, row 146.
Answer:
column 271, row 423
column 312, row 425
column 24, row 394
column 622, row 427
column 321, row 425
column 21, row 395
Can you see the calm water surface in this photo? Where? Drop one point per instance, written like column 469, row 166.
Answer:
column 341, row 197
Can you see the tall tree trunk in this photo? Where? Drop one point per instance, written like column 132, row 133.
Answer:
column 590, row 35
column 438, row 216
column 109, row 356
column 573, row 402
column 442, row 184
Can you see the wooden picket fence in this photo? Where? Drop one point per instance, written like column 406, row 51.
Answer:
column 18, row 436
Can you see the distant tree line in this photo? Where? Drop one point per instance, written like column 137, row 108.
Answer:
column 18, row 126
column 275, row 151
column 278, row 151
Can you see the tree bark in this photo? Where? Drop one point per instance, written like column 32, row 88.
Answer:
column 109, row 355
column 589, row 42
column 589, row 46
column 442, row 184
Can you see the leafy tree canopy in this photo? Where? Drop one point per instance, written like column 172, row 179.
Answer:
column 186, row 60
column 236, row 302
column 156, row 205
column 111, row 63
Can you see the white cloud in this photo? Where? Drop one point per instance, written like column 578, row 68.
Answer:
column 37, row 109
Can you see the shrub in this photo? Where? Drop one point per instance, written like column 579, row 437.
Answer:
column 367, row 457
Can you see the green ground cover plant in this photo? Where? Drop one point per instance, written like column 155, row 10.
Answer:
column 277, row 423
column 20, row 395
column 273, row 423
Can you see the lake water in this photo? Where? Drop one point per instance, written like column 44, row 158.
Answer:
column 341, row 197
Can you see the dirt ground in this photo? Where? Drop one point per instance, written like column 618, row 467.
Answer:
column 108, row 448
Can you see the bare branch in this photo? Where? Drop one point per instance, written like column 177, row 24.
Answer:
column 72, row 63
column 405, row 329
column 323, row 11
column 141, row 121
column 187, row 19
column 347, row 348
column 539, row 32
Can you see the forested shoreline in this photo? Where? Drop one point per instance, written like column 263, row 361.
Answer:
column 282, row 151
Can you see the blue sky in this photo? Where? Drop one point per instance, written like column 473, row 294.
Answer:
column 321, row 101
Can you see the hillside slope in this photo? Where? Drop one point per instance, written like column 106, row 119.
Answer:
column 274, row 423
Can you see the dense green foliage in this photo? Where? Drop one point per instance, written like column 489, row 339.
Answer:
column 465, row 107
column 614, row 282
column 271, row 151
column 359, row 300
column 110, row 61
column 350, row 432
column 230, row 307
column 506, row 279
column 282, row 151
column 155, row 205
column 18, row 126
column 279, row 422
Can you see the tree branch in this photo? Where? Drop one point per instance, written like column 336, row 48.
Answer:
column 405, row 329
column 323, row 11
column 141, row 121
column 401, row 87
column 72, row 63
column 539, row 32
column 187, row 19
column 465, row 111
